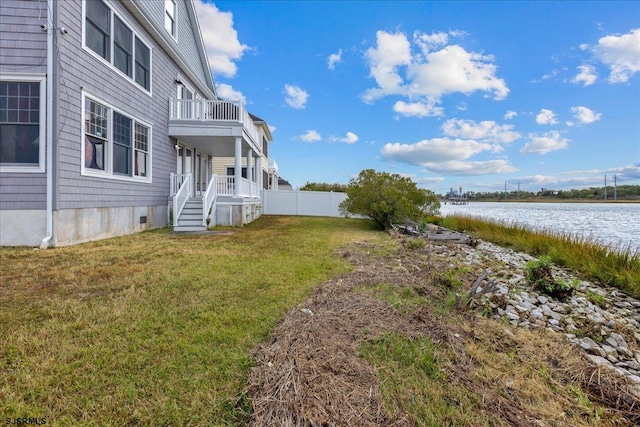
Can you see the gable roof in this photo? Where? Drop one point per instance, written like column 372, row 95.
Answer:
column 257, row 120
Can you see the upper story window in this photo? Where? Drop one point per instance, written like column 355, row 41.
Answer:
column 107, row 35
column 115, row 145
column 170, row 17
column 22, row 124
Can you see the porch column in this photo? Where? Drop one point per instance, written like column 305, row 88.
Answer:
column 259, row 173
column 250, row 165
column 238, row 167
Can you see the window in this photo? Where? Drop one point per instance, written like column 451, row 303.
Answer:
column 98, row 29
column 122, row 47
column 170, row 17
column 143, row 65
column 107, row 35
column 115, row 144
column 22, row 111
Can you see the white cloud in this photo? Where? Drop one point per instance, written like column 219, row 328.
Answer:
column 428, row 42
column 621, row 53
column 546, row 117
column 585, row 115
column 272, row 128
column 587, row 75
column 417, row 109
column 545, row 143
column 510, row 115
column 220, row 39
column 431, row 151
column 228, row 93
column 334, row 58
column 485, row 131
column 391, row 51
column 296, row 97
column 453, row 69
column 426, row 76
column 462, row 106
column 472, row 168
column 310, row 136
column 350, row 138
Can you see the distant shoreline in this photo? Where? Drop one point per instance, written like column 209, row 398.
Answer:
column 549, row 201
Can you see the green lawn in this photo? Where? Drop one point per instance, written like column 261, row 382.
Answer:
column 154, row 328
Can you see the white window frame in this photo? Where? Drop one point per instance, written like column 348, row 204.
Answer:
column 173, row 18
column 108, row 158
column 42, row 122
column 111, row 62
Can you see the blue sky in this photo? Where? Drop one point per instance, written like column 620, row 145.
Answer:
column 451, row 94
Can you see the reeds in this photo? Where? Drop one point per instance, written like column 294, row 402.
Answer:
column 594, row 259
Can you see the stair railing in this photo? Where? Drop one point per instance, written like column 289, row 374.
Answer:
column 208, row 199
column 180, row 199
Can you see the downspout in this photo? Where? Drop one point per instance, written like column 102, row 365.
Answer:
column 49, row 238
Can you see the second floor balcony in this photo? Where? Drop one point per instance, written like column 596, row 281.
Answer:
column 211, row 126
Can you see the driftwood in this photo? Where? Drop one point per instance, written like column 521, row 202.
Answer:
column 476, row 291
column 434, row 232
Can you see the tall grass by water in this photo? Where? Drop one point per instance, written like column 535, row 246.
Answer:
column 618, row 267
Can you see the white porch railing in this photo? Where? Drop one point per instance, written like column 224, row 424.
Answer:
column 208, row 199
column 175, row 182
column 210, row 111
column 180, row 198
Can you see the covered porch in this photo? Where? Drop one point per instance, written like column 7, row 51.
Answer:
column 204, row 130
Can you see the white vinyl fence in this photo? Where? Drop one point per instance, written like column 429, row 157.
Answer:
column 311, row 203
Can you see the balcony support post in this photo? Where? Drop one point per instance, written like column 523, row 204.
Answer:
column 238, row 168
column 259, row 172
column 250, row 165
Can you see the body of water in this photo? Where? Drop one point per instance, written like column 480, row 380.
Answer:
column 613, row 224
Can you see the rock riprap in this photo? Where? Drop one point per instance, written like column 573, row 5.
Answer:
column 604, row 322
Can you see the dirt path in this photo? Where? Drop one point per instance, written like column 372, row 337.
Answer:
column 312, row 373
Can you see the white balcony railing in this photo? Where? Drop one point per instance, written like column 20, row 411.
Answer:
column 203, row 110
column 273, row 166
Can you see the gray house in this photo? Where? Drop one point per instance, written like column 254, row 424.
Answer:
column 110, row 123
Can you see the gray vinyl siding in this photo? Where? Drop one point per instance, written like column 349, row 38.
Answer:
column 23, row 44
column 23, row 50
column 81, row 70
column 187, row 44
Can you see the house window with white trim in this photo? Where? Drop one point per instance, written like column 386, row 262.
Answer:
column 116, row 144
column 170, row 17
column 108, row 35
column 22, row 119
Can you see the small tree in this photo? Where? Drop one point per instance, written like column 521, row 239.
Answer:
column 386, row 198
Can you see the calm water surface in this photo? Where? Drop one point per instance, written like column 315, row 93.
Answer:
column 613, row 224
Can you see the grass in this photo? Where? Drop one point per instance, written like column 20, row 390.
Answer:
column 414, row 383
column 154, row 328
column 618, row 267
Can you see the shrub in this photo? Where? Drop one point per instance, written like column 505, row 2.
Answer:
column 539, row 275
column 387, row 198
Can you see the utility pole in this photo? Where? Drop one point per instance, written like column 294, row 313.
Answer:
column 505, row 190
column 605, row 187
column 518, row 190
column 615, row 187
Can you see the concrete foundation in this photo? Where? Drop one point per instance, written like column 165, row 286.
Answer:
column 22, row 227
column 237, row 212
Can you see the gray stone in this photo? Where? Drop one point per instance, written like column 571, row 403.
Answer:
column 600, row 362
column 512, row 316
column 543, row 299
column 609, row 350
column 554, row 322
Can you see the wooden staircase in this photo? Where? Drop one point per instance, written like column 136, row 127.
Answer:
column 190, row 218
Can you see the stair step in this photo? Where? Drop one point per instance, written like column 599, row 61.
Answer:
column 189, row 228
